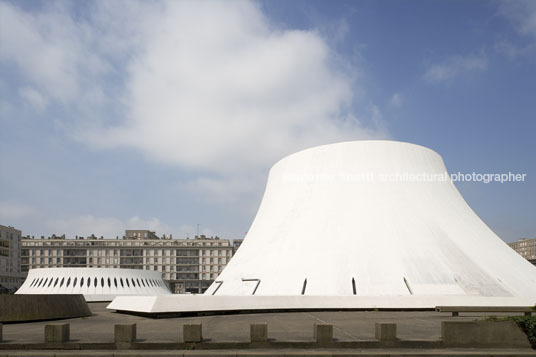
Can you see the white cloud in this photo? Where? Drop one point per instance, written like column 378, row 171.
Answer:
column 33, row 98
column 85, row 225
column 522, row 13
column 110, row 227
column 216, row 88
column 455, row 66
column 51, row 50
column 12, row 211
column 209, row 86
column 396, row 100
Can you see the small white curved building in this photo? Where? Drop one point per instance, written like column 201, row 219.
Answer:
column 96, row 284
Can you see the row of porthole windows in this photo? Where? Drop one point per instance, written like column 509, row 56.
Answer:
column 47, row 282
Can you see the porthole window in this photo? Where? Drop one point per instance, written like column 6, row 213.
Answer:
column 133, row 282
column 62, row 281
column 109, row 283
column 33, row 282
column 39, row 283
column 143, row 282
column 74, row 282
column 81, row 281
column 50, row 282
column 95, row 282
column 88, row 282
column 121, row 281
column 56, row 282
column 115, row 282
column 68, row 282
column 126, row 280
column 138, row 281
column 102, row 282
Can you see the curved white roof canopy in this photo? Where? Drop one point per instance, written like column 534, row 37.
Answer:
column 321, row 232
column 96, row 284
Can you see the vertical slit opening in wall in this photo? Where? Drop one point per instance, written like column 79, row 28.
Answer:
column 304, row 286
column 407, row 286
column 354, row 289
column 256, row 285
column 220, row 283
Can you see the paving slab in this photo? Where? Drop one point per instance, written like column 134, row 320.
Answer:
column 282, row 326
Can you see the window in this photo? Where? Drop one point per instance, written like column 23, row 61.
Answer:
column 81, row 281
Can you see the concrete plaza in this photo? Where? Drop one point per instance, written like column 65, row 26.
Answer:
column 421, row 327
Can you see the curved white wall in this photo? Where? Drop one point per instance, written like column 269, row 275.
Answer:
column 385, row 238
column 96, row 284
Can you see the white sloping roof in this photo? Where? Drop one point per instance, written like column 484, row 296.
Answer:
column 346, row 219
column 96, row 284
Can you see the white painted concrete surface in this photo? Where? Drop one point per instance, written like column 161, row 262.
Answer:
column 346, row 225
column 96, row 284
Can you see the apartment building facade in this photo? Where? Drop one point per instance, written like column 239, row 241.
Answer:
column 11, row 276
column 526, row 247
column 189, row 265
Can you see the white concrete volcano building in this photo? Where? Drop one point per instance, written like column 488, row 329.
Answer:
column 358, row 225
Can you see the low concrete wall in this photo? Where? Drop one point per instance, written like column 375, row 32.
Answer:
column 483, row 333
column 15, row 308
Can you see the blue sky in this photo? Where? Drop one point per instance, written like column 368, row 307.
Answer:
column 165, row 115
